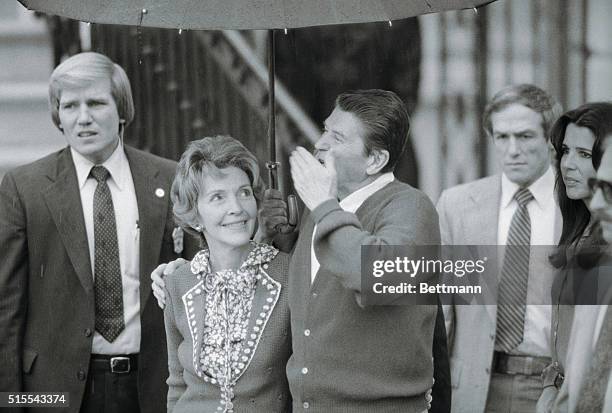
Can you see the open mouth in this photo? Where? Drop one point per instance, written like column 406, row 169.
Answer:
column 238, row 224
column 86, row 134
column 571, row 181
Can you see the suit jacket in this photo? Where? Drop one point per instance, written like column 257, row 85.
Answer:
column 47, row 304
column 580, row 354
column 468, row 216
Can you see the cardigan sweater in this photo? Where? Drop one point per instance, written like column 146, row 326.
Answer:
column 262, row 387
column 346, row 357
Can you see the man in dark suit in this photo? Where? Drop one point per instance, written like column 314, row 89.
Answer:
column 80, row 232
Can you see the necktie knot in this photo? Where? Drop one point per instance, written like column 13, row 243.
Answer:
column 100, row 173
column 523, row 196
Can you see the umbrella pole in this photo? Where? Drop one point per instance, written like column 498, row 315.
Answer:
column 272, row 164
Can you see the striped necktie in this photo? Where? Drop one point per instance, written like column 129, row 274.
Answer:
column 108, row 288
column 512, row 295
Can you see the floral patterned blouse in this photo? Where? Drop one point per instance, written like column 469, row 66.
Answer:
column 225, row 349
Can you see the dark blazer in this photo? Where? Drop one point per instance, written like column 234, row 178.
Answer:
column 46, row 286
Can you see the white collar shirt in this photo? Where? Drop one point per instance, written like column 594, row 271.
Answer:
column 123, row 193
column 545, row 224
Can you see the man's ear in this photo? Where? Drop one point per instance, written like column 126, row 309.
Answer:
column 377, row 160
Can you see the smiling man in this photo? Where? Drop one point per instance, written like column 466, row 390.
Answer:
column 80, row 231
column 498, row 352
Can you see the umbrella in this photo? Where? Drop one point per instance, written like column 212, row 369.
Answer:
column 247, row 14
column 243, row 14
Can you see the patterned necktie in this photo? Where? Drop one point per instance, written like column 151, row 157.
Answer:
column 107, row 269
column 595, row 383
column 512, row 295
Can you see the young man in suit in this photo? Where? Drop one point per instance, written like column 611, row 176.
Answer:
column 80, row 232
column 497, row 356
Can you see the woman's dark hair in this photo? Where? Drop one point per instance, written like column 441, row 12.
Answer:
column 597, row 117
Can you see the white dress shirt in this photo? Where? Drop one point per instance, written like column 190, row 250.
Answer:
column 350, row 204
column 122, row 191
column 545, row 223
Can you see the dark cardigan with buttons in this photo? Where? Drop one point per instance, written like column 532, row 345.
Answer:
column 263, row 386
column 349, row 358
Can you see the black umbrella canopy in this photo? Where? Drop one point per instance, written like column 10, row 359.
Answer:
column 243, row 14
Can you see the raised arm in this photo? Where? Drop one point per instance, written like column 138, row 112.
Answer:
column 406, row 218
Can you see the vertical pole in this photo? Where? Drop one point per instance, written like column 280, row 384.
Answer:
column 482, row 57
column 272, row 165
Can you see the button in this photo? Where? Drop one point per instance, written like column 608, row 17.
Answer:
column 305, row 370
column 487, row 370
column 81, row 375
column 306, row 405
column 492, row 336
column 87, row 332
column 307, row 332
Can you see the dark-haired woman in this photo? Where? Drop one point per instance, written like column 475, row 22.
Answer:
column 574, row 136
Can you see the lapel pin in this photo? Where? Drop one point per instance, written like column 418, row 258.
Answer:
column 177, row 237
column 159, row 192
